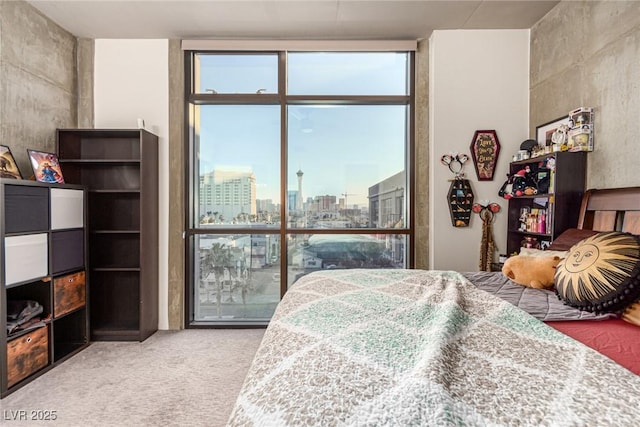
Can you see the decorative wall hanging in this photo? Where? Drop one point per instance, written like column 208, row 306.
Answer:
column 485, row 148
column 486, row 211
column 460, row 196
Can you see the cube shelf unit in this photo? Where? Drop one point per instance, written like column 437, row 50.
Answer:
column 43, row 256
column 561, row 203
column 120, row 169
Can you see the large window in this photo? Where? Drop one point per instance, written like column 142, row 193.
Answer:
column 298, row 162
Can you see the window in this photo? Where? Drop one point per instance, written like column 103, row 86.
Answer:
column 299, row 161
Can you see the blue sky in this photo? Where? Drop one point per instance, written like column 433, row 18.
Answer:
column 340, row 149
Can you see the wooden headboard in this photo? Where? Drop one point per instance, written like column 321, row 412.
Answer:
column 615, row 209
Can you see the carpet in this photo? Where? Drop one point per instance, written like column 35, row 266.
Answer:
column 175, row 378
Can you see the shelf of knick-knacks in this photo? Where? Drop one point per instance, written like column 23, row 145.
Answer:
column 460, row 199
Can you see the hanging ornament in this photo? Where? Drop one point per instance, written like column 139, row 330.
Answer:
column 486, row 211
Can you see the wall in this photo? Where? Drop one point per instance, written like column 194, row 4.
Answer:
column 421, row 203
column 85, row 56
column 478, row 80
column 176, row 262
column 591, row 66
column 37, row 81
column 131, row 81
column 588, row 54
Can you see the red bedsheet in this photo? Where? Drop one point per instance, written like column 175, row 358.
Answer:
column 615, row 338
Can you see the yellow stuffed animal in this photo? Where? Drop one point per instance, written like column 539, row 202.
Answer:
column 533, row 272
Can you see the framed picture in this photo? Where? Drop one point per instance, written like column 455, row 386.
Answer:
column 553, row 132
column 485, row 148
column 8, row 166
column 46, row 167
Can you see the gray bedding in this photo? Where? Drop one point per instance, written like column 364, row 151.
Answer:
column 541, row 304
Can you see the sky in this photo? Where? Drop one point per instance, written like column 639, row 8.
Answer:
column 340, row 149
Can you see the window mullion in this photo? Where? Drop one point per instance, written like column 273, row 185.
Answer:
column 282, row 93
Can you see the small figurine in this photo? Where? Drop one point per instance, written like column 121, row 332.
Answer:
column 560, row 135
column 519, row 184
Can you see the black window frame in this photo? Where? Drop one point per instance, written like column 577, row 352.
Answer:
column 283, row 100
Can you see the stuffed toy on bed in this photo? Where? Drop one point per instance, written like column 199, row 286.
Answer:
column 533, row 272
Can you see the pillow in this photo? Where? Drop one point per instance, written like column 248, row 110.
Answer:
column 542, row 253
column 601, row 273
column 632, row 314
column 570, row 237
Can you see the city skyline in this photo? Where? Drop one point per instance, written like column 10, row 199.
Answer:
column 299, row 202
column 332, row 138
column 230, row 198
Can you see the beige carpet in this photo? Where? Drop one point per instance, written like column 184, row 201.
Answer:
column 174, row 378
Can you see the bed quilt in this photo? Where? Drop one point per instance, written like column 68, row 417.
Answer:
column 423, row 348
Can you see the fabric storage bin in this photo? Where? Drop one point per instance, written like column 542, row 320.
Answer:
column 27, row 354
column 67, row 208
column 67, row 250
column 26, row 209
column 25, row 257
column 69, row 293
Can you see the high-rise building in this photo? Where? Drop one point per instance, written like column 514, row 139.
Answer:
column 326, row 203
column 228, row 193
column 292, row 200
column 299, row 199
column 386, row 201
column 266, row 205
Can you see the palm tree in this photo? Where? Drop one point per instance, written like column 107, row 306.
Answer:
column 216, row 259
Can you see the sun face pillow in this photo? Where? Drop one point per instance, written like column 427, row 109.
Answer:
column 569, row 238
column 601, row 273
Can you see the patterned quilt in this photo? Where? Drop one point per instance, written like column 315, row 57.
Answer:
column 423, row 348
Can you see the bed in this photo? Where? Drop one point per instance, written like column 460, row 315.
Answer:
column 415, row 347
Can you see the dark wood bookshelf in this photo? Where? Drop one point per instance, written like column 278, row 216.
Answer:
column 561, row 203
column 43, row 258
column 120, row 169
